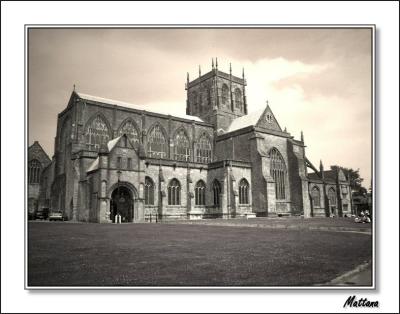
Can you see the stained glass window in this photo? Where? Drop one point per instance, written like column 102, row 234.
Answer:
column 203, row 149
column 97, row 133
column 157, row 146
column 34, row 170
column 278, row 172
column 129, row 128
column 182, row 146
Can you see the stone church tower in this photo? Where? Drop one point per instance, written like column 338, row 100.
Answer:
column 216, row 97
column 217, row 161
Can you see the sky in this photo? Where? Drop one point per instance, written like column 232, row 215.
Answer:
column 315, row 80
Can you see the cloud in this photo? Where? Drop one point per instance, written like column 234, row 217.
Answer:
column 336, row 124
column 316, row 80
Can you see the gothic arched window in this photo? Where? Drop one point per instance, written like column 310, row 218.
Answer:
column 174, row 192
column 243, row 192
column 129, row 128
column 200, row 103
column 194, row 102
column 216, row 192
column 200, row 193
column 148, row 191
column 332, row 196
column 225, row 94
column 34, row 170
column 316, row 197
column 209, row 97
column 97, row 133
column 238, row 98
column 278, row 172
column 182, row 146
column 157, row 146
column 203, row 149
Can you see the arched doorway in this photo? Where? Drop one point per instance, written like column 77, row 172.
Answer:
column 122, row 203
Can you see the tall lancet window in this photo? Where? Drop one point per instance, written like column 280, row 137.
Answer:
column 217, row 192
column 174, row 192
column 97, row 133
column 209, row 98
column 195, row 103
column 225, row 95
column 182, row 146
column 148, row 191
column 243, row 192
column 278, row 172
column 203, row 149
column 157, row 143
column 35, row 167
column 316, row 197
column 129, row 128
column 200, row 193
column 238, row 98
column 332, row 196
column 200, row 103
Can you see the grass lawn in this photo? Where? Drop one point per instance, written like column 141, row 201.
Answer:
column 78, row 254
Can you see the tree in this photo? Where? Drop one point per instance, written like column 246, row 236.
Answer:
column 354, row 176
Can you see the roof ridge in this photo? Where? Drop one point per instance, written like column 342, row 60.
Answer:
column 133, row 106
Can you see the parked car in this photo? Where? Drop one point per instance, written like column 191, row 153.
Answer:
column 42, row 213
column 56, row 216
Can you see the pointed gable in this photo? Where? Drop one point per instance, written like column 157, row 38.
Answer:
column 36, row 151
column 341, row 175
column 268, row 121
column 72, row 99
column 263, row 118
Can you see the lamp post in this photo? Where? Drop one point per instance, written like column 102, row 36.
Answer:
column 118, row 192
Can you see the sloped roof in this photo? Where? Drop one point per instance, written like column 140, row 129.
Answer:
column 110, row 145
column 246, row 120
column 94, row 165
column 328, row 174
column 129, row 105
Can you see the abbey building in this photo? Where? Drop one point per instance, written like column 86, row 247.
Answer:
column 215, row 161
